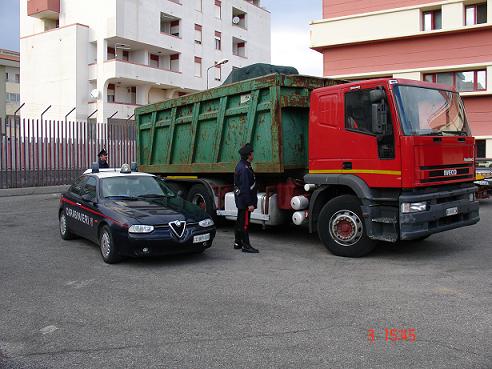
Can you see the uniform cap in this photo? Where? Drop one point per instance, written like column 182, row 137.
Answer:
column 102, row 152
column 245, row 150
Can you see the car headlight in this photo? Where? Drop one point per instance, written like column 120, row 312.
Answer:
column 471, row 196
column 140, row 228
column 413, row 207
column 206, row 223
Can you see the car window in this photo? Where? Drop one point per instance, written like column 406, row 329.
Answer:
column 90, row 188
column 134, row 186
column 78, row 185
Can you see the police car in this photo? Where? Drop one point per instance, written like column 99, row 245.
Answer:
column 128, row 213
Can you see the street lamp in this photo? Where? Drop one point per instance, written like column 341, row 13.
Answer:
column 220, row 62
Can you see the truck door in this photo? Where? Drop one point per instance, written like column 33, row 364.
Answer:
column 368, row 147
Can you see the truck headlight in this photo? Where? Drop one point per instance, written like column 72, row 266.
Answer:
column 206, row 223
column 413, row 207
column 140, row 228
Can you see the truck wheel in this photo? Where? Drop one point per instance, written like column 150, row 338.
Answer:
column 199, row 196
column 341, row 227
column 109, row 252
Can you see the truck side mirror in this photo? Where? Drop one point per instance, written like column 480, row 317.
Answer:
column 379, row 117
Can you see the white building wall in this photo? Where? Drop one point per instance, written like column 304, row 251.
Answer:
column 73, row 58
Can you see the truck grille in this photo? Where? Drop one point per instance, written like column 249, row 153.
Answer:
column 446, row 173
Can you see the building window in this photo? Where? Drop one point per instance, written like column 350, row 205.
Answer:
column 198, row 34
column 238, row 47
column 174, row 62
column 170, row 25
column 432, row 19
column 111, row 53
column 122, row 55
column 218, row 72
column 154, row 60
column 198, row 66
column 218, row 40
column 476, row 14
column 111, row 92
column 133, row 95
column 462, row 81
column 238, row 18
column 13, row 98
column 198, row 5
column 6, row 76
column 17, row 78
column 218, row 9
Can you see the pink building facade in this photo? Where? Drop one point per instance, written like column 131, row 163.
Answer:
column 448, row 42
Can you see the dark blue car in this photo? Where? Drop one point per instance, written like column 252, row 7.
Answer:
column 132, row 214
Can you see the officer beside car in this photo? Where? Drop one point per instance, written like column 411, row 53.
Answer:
column 103, row 159
column 245, row 195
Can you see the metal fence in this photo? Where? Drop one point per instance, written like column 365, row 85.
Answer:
column 45, row 153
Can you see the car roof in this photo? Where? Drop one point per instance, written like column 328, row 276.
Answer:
column 115, row 172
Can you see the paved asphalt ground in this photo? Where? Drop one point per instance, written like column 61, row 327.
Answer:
column 292, row 306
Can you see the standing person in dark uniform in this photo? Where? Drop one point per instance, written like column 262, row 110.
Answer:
column 245, row 194
column 103, row 159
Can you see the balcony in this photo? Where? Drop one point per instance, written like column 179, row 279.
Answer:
column 43, row 9
column 141, row 73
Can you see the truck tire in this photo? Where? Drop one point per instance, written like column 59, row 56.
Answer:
column 200, row 196
column 341, row 227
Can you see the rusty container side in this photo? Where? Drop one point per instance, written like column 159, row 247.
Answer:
column 202, row 132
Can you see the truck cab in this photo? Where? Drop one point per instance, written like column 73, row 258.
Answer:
column 402, row 148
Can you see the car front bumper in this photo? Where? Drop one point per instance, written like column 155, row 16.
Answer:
column 161, row 242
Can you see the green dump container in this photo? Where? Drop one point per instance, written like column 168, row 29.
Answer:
column 202, row 132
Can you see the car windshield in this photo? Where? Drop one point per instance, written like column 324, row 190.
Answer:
column 134, row 187
column 428, row 112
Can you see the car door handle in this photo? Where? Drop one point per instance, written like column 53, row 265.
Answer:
column 78, row 204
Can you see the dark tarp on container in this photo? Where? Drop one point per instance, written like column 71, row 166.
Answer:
column 257, row 70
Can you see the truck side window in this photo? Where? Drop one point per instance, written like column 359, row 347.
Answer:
column 358, row 111
column 364, row 106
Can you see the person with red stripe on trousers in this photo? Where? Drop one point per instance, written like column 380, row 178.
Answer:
column 245, row 195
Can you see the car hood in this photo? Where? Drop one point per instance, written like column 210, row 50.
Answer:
column 157, row 211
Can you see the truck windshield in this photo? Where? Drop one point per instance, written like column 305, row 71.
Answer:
column 428, row 112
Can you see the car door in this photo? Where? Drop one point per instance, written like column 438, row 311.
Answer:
column 89, row 217
column 72, row 205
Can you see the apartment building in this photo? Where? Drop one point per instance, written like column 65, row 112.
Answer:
column 104, row 58
column 9, row 83
column 448, row 42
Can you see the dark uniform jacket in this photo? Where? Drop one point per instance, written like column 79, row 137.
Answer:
column 103, row 164
column 245, row 190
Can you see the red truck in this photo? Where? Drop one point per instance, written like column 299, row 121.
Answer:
column 361, row 162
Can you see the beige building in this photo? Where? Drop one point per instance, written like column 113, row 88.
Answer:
column 9, row 83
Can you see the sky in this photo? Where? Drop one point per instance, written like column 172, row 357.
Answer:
column 290, row 32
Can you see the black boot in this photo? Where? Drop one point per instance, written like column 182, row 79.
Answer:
column 237, row 240
column 250, row 249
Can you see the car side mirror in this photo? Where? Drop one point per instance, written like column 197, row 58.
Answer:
column 88, row 198
column 180, row 193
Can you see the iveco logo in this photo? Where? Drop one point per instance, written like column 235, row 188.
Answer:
column 178, row 227
column 450, row 172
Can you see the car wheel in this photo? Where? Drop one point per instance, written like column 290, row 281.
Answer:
column 108, row 249
column 200, row 197
column 64, row 230
column 341, row 227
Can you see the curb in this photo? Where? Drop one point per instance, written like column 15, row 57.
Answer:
column 25, row 191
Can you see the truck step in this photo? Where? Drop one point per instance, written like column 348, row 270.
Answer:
column 386, row 220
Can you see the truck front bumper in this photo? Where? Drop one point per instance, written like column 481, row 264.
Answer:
column 446, row 209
